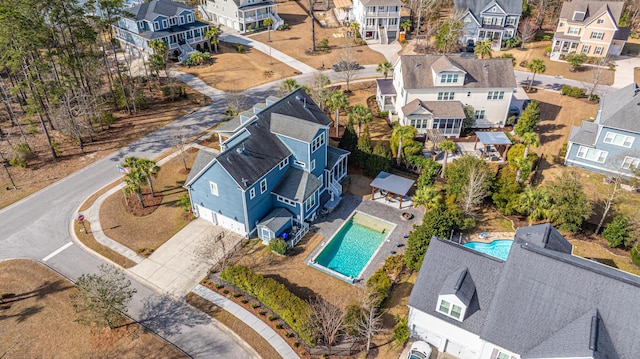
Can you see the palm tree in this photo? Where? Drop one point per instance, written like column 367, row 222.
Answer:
column 405, row 25
column 529, row 139
column 148, row 169
column 360, row 114
column 159, row 58
column 289, row 85
column 402, row 133
column 537, row 66
column 197, row 58
column 268, row 22
column 427, row 196
column 212, row 34
column 448, row 147
column 482, row 49
column 338, row 102
column 534, row 203
column 384, row 67
column 355, row 28
column 133, row 182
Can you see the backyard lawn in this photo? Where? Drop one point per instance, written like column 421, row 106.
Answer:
column 38, row 321
column 145, row 234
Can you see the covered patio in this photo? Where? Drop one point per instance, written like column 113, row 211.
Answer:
column 391, row 187
column 494, row 145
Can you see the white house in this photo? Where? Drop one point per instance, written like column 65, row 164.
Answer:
column 241, row 15
column 430, row 91
column 378, row 19
column 541, row 302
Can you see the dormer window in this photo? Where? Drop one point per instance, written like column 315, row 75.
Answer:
column 449, row 78
column 579, row 15
column 450, row 309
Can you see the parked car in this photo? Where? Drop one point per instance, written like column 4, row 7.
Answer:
column 344, row 66
column 419, row 350
column 514, row 111
column 470, row 46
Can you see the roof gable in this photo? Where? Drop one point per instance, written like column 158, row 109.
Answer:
column 493, row 8
column 295, row 128
column 477, row 6
column 155, row 8
column 592, row 10
column 621, row 109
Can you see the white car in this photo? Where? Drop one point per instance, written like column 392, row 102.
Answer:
column 419, row 350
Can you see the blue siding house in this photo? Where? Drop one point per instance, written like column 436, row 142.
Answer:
column 274, row 172
column 168, row 21
column 610, row 144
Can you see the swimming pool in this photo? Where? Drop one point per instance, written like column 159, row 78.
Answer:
column 499, row 249
column 353, row 246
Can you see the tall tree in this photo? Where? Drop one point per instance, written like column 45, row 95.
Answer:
column 400, row 136
column 448, row 34
column 149, row 169
column 447, row 147
column 103, row 298
column 570, row 205
column 213, row 34
column 328, row 319
column 483, row 49
column 268, row 22
column 384, row 68
column 370, row 321
column 361, row 115
column 337, row 102
column 536, row 66
column 534, row 203
column 288, row 86
column 613, row 193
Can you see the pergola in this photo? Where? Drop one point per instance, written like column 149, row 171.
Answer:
column 493, row 139
column 392, row 184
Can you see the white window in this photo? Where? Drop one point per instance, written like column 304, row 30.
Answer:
column 495, row 95
column 189, row 18
column 446, row 96
column 597, row 35
column 164, row 24
column 252, row 193
column 573, row 30
column 511, row 20
column 172, row 21
column 300, row 163
column 487, row 20
column 600, row 21
column 618, row 139
column 284, row 163
column 214, row 188
column 479, row 114
column 502, row 355
column 310, row 203
column 317, row 142
column 630, row 162
column 591, row 154
column 450, row 309
column 585, row 49
column 263, row 185
column 598, row 50
column 448, row 78
column 156, row 26
column 313, row 165
column 286, row 201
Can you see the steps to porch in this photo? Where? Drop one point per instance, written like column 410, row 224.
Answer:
column 384, row 38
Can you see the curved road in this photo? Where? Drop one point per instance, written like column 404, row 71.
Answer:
column 38, row 228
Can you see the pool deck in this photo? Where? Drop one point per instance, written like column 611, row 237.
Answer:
column 327, row 225
column 486, row 238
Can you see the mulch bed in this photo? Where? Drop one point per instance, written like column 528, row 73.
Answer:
column 150, row 203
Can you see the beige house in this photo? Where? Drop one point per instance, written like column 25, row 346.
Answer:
column 430, row 92
column 589, row 27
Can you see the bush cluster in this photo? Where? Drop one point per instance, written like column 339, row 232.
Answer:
column 274, row 295
column 571, row 91
column 279, row 246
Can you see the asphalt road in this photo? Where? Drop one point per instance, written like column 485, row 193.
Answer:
column 38, row 228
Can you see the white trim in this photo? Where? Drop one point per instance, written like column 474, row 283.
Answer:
column 213, row 188
column 252, row 193
column 263, row 186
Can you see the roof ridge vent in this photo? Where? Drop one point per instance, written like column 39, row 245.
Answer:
column 461, row 279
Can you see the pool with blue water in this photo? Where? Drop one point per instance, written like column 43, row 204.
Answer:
column 499, row 249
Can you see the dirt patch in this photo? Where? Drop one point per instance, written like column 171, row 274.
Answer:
column 296, row 41
column 43, row 171
column 147, row 233
column 230, row 69
column 38, row 321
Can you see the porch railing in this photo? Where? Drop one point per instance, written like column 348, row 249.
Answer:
column 302, row 229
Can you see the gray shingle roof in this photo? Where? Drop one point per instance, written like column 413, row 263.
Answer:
column 276, row 219
column 585, row 134
column 459, row 284
column 152, row 35
column 150, row 10
column 250, row 159
column 541, row 302
column 381, row 2
column 439, row 109
column 481, row 73
column 203, row 158
column 476, row 6
column 621, row 109
column 295, row 128
column 591, row 8
column 297, row 185
column 386, row 86
column 230, row 126
column 334, row 154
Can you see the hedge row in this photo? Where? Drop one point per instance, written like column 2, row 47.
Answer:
column 291, row 308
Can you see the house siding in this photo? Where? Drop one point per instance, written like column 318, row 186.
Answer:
column 263, row 203
column 229, row 195
column 423, row 326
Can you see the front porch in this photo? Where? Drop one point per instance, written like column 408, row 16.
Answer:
column 253, row 17
column 564, row 45
column 493, row 35
column 334, row 174
column 386, row 94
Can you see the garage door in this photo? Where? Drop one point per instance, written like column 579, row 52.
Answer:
column 614, row 50
column 205, row 213
column 230, row 223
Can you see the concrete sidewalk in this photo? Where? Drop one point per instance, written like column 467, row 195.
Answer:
column 265, row 331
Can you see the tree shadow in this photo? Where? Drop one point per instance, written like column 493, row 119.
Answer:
column 549, row 112
column 24, row 314
column 39, row 293
column 166, row 315
column 302, row 292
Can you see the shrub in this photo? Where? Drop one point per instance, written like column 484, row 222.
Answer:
column 225, row 291
column 255, row 305
column 296, row 344
column 617, row 232
column 576, row 60
column 293, row 310
column 219, row 286
column 279, row 246
column 173, row 92
column 239, row 47
column 236, row 294
column 635, row 255
column 262, row 313
column 279, row 326
column 393, row 266
column 324, row 44
column 383, row 114
column 141, row 102
column 524, row 63
column 22, row 153
column 509, row 56
column 401, row 330
column 546, row 37
column 244, row 301
column 351, row 317
column 272, row 318
column 379, row 283
column 547, row 49
column 572, row 91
